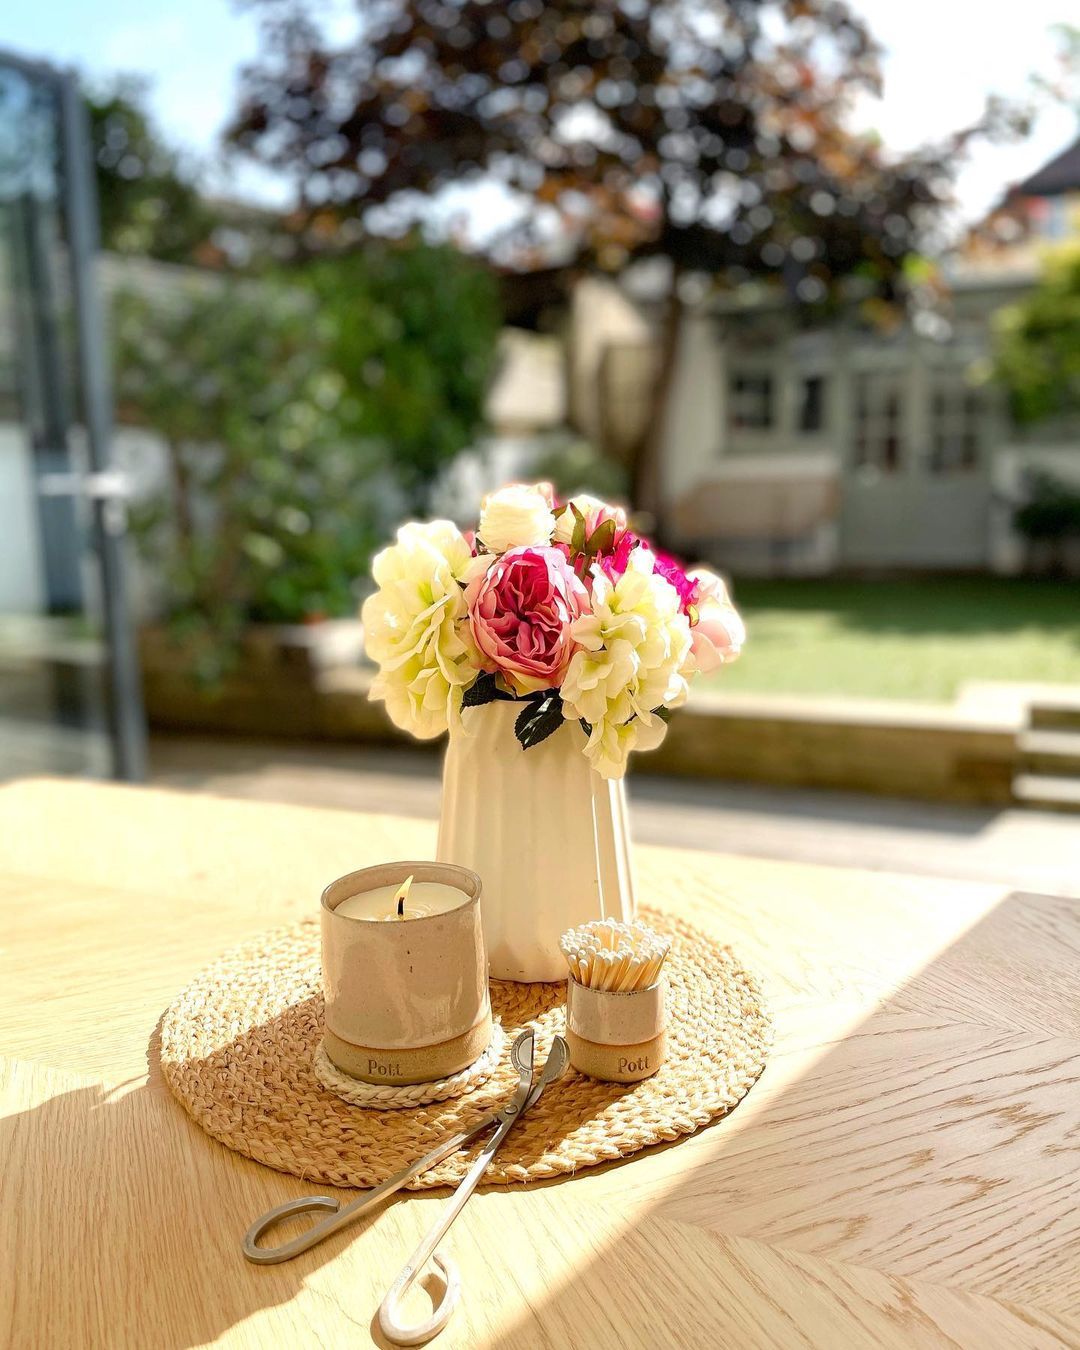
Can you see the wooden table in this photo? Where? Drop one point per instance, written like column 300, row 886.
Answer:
column 906, row 1172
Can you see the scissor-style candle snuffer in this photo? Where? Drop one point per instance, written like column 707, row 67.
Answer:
column 525, row 1095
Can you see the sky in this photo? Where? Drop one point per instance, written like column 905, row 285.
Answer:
column 943, row 57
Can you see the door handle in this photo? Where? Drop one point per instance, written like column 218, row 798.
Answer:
column 106, row 485
column 109, row 487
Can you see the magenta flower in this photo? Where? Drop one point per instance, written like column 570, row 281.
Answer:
column 616, row 562
column 520, row 612
column 674, row 573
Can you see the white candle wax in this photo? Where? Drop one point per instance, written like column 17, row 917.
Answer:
column 425, row 897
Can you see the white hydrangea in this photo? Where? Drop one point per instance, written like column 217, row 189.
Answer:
column 416, row 627
column 517, row 516
column 634, row 647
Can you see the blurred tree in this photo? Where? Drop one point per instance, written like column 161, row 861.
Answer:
column 572, row 465
column 1063, row 86
column 412, row 328
column 149, row 204
column 1050, row 521
column 711, row 133
column 1037, row 344
column 267, row 513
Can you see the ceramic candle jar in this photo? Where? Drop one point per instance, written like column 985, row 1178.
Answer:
column 406, row 996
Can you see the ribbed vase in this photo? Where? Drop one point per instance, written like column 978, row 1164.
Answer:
column 548, row 836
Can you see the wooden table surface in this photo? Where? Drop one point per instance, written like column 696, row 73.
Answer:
column 905, row 1173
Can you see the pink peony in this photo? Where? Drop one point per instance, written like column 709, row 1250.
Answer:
column 520, row 611
column 717, row 633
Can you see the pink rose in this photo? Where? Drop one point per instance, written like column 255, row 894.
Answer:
column 520, row 611
column 718, row 633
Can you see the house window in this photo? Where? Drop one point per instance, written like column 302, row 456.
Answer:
column 751, row 402
column 879, row 435
column 955, row 411
column 811, row 409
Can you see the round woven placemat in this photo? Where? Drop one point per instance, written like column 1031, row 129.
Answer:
column 237, row 1047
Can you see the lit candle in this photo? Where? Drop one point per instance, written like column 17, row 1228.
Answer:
column 404, row 972
column 407, row 901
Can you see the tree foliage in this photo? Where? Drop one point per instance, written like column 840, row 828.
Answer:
column 265, row 513
column 1063, row 85
column 148, row 201
column 280, row 401
column 413, row 329
column 1052, row 512
column 712, row 133
column 1037, row 344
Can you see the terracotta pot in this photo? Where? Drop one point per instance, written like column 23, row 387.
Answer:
column 547, row 835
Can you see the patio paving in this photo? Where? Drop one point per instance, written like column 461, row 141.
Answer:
column 1028, row 849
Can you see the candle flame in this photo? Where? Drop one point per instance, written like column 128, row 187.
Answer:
column 402, row 896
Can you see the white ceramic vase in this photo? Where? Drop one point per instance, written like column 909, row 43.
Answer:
column 547, row 835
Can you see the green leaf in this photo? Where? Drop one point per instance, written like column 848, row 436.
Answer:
column 602, row 539
column 577, row 540
column 539, row 719
column 484, row 690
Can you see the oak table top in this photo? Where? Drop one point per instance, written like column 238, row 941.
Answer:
column 905, row 1173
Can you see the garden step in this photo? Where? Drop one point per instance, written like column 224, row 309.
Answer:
column 1052, row 752
column 1047, row 791
column 1056, row 714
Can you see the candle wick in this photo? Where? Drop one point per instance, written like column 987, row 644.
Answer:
column 403, row 895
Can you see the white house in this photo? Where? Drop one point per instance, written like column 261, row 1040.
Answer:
column 791, row 450
column 807, row 450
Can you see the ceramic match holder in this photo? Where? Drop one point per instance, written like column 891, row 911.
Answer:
column 616, row 1036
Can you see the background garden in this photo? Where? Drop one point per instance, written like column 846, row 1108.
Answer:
column 313, row 376
column 651, row 251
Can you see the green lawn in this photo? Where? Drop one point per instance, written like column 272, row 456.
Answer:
column 903, row 639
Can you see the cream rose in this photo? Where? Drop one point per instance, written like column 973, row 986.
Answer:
column 517, row 516
column 416, row 627
column 634, row 648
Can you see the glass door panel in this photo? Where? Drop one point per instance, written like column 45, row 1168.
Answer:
column 69, row 700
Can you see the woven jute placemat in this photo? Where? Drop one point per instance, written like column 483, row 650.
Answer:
column 237, row 1048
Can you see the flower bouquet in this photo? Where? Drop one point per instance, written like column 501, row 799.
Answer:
column 583, row 638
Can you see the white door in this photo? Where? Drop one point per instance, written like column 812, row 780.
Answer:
column 916, row 491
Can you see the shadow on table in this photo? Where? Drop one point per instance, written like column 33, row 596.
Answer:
column 146, row 1249
column 933, row 1139
column 139, row 1224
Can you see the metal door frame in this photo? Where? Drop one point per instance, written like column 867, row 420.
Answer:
column 102, row 486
